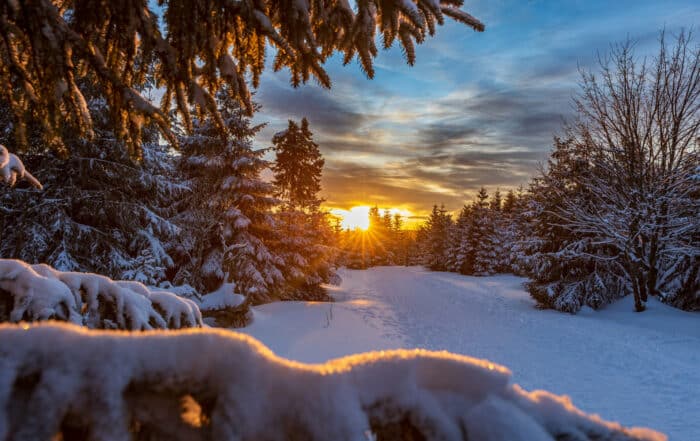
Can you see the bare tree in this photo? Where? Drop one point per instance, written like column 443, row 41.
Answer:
column 639, row 122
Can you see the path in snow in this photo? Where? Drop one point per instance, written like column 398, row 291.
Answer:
column 639, row 369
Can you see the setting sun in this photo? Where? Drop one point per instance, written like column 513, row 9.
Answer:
column 353, row 219
column 357, row 218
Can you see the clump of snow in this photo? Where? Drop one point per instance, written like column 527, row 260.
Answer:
column 225, row 308
column 12, row 169
column 224, row 297
column 215, row 384
column 177, row 312
column 40, row 292
column 34, row 296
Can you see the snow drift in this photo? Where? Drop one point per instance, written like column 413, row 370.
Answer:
column 39, row 292
column 214, row 384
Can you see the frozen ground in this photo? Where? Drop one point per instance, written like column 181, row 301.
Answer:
column 639, row 369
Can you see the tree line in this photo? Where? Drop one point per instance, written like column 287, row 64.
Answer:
column 386, row 242
column 615, row 211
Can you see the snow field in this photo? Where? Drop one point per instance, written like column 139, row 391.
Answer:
column 635, row 368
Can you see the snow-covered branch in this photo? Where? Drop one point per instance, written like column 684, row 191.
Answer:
column 212, row 384
column 191, row 63
column 12, row 169
column 39, row 292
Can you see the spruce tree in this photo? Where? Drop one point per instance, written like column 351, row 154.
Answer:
column 375, row 242
column 228, row 214
column 437, row 238
column 100, row 211
column 509, row 202
column 564, row 273
column 464, row 251
column 513, row 233
column 399, row 242
column 478, row 260
column 297, row 168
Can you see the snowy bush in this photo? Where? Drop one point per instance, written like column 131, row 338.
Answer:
column 210, row 384
column 39, row 292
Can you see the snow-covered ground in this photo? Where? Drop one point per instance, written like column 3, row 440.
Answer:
column 639, row 369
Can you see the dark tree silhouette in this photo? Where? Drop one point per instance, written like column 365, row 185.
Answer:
column 298, row 166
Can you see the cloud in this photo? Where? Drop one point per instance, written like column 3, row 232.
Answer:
column 476, row 109
column 419, row 183
column 324, row 110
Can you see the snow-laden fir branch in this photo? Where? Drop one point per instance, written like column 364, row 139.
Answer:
column 40, row 292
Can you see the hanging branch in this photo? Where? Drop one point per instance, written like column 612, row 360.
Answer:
column 46, row 46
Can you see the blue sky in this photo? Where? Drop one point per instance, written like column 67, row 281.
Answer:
column 476, row 109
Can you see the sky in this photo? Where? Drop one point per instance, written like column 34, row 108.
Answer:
column 477, row 109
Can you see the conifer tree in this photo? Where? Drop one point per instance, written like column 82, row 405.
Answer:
column 481, row 254
column 376, row 242
column 100, row 211
column 399, row 242
column 228, row 216
column 297, row 167
column 375, row 218
column 513, row 233
column 496, row 202
column 463, row 254
column 437, row 238
column 560, row 261
column 509, row 202
column 304, row 238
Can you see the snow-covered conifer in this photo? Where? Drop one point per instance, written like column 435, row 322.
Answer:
column 298, row 166
column 228, row 220
column 100, row 211
column 482, row 247
column 437, row 238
